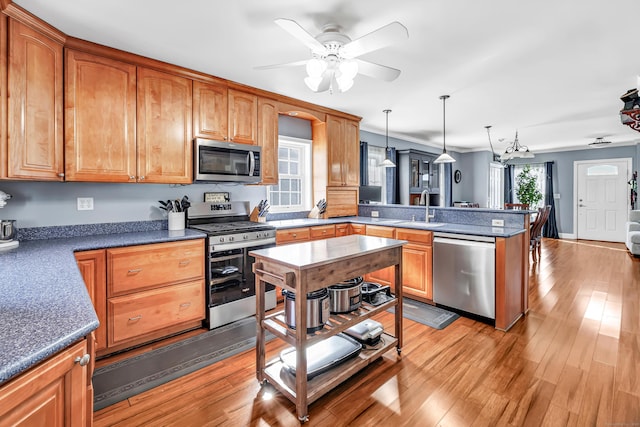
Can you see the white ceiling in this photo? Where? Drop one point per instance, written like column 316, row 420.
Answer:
column 553, row 70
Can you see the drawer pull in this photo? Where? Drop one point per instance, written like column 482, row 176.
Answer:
column 245, row 290
column 185, row 304
column 294, row 235
column 83, row 361
column 185, row 262
column 135, row 271
column 135, row 318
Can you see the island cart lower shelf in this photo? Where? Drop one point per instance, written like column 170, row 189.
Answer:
column 306, row 267
column 283, row 381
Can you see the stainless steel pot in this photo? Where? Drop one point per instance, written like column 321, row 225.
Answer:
column 317, row 309
column 346, row 296
column 8, row 229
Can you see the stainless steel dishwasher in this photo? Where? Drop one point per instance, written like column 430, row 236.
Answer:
column 464, row 273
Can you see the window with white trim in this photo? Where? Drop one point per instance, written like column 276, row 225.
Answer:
column 539, row 170
column 293, row 192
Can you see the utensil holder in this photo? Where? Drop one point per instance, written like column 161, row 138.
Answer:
column 176, row 220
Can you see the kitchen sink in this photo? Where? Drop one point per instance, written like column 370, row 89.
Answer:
column 420, row 224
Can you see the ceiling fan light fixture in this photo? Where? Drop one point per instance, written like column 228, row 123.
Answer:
column 444, row 157
column 348, row 69
column 344, row 83
column 315, row 67
column 313, row 83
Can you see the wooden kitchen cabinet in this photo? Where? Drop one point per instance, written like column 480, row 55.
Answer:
column 292, row 235
column 144, row 292
column 243, row 117
column 224, row 114
column 386, row 275
column 100, row 119
column 342, row 230
column 210, row 111
column 268, row 139
column 125, row 123
column 341, row 201
column 164, row 128
column 32, row 142
column 93, row 268
column 357, row 229
column 417, row 261
column 153, row 291
column 343, row 155
column 322, row 232
column 54, row 393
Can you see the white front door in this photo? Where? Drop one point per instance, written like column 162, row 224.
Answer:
column 601, row 198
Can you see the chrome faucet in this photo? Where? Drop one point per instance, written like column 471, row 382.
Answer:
column 424, row 198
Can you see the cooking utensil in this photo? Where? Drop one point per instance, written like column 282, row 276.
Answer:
column 317, row 309
column 346, row 296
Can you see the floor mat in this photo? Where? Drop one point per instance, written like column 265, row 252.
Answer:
column 426, row 314
column 128, row 377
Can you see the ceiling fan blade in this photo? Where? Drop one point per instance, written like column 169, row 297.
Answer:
column 377, row 71
column 283, row 65
column 384, row 36
column 293, row 28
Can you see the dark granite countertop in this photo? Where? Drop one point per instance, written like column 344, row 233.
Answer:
column 446, row 227
column 44, row 305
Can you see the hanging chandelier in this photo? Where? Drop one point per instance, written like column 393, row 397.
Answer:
column 387, row 163
column 444, row 157
column 516, row 151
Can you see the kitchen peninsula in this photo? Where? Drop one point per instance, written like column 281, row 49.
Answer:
column 510, row 238
column 307, row 267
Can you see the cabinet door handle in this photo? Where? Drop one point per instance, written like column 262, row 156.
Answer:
column 185, row 262
column 185, row 304
column 142, row 178
column 135, row 318
column 132, row 178
column 61, row 175
column 83, row 361
column 294, row 235
column 135, row 271
column 245, row 290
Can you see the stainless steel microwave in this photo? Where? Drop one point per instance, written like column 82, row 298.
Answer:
column 220, row 161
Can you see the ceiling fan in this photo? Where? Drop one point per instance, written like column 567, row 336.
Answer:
column 334, row 59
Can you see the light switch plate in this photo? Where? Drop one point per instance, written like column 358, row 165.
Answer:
column 497, row 222
column 374, row 214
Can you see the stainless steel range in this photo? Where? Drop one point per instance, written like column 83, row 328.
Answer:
column 230, row 236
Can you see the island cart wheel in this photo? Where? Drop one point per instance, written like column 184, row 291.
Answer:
column 303, row 419
column 399, row 350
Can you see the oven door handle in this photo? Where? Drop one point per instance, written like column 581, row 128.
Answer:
column 241, row 245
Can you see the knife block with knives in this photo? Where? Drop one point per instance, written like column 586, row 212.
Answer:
column 318, row 210
column 259, row 213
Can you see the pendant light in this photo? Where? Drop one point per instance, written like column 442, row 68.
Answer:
column 387, row 163
column 444, row 157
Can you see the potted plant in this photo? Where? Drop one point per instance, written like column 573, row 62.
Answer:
column 527, row 187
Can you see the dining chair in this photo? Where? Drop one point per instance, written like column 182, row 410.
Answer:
column 535, row 233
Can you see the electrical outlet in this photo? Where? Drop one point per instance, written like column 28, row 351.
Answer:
column 85, row 203
column 374, row 214
column 497, row 222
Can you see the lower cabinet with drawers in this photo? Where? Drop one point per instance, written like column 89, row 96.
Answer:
column 145, row 292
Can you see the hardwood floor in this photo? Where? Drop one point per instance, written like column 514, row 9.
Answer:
column 573, row 360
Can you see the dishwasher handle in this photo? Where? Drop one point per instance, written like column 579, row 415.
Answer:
column 463, row 242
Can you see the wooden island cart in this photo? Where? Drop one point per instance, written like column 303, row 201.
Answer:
column 306, row 267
